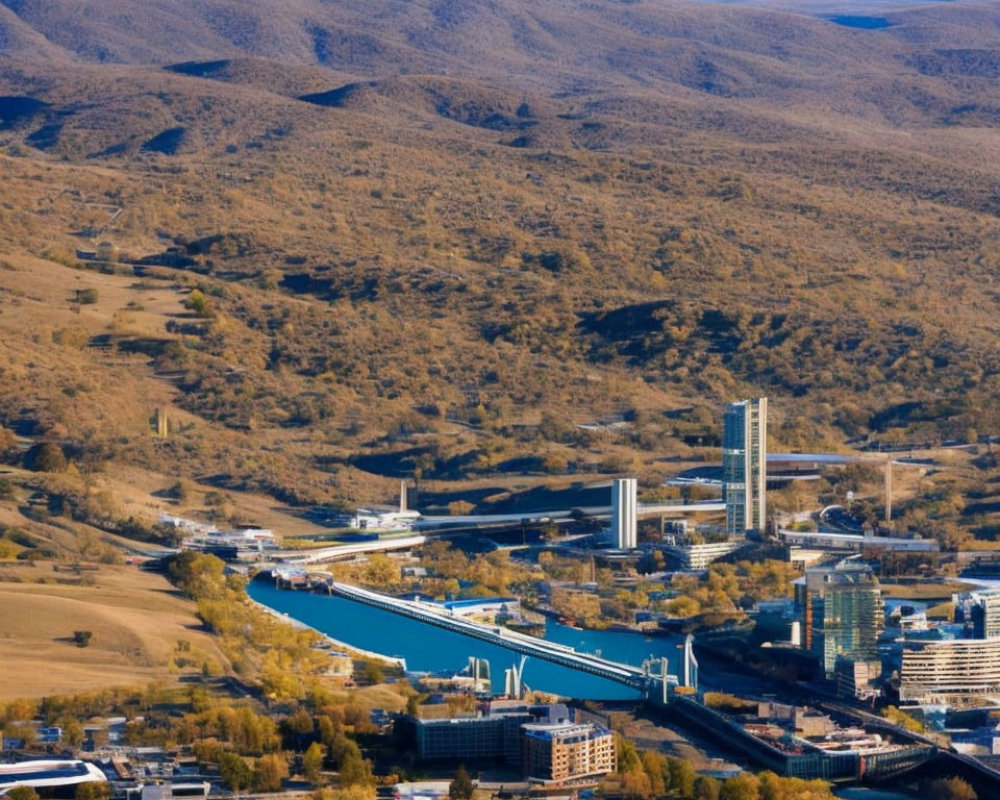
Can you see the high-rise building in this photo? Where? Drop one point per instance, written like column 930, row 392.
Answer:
column 985, row 614
column 744, row 466
column 843, row 613
column 624, row 522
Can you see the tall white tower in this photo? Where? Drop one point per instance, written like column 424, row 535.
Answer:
column 690, row 664
column 744, row 466
column 624, row 520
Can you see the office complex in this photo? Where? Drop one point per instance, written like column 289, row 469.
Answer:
column 843, row 613
column 744, row 466
column 567, row 754
column 624, row 522
column 492, row 735
column 957, row 671
column 953, row 672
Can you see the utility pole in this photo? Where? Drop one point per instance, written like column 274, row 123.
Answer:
column 888, row 491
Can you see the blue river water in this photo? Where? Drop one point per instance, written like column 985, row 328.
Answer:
column 430, row 649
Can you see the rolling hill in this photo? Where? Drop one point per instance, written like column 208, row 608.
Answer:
column 454, row 231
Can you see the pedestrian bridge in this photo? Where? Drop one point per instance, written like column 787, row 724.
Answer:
column 651, row 685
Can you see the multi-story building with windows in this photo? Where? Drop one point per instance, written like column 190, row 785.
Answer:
column 984, row 610
column 953, row 672
column 493, row 734
column 744, row 466
column 567, row 754
column 842, row 613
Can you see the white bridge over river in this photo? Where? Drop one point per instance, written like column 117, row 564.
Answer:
column 652, row 679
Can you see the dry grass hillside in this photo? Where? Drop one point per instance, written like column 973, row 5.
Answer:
column 140, row 631
column 355, row 241
column 338, row 244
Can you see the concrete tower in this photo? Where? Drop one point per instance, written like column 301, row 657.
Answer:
column 690, row 664
column 624, row 521
column 744, row 466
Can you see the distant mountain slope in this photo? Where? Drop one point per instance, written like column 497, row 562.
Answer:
column 20, row 39
column 464, row 227
column 895, row 75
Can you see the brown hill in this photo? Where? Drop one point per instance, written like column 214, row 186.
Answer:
column 452, row 231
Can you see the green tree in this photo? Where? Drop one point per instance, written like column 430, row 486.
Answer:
column 235, row 772
column 312, row 763
column 22, row 793
column 461, row 787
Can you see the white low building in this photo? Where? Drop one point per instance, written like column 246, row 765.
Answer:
column 48, row 774
column 699, row 556
column 366, row 519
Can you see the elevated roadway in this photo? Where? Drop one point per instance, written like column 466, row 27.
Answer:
column 557, row 515
column 336, row 552
column 433, row 614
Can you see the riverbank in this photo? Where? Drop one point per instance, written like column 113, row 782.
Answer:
column 370, row 655
column 432, row 649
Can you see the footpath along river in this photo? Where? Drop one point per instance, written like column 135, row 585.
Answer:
column 427, row 648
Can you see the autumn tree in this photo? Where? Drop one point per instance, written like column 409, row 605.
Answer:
column 744, row 786
column 706, row 788
column 235, row 772
column 382, row 571
column 655, row 765
column 47, row 457
column 269, row 772
column 682, row 776
column 352, row 768
column 949, row 789
column 22, row 793
column 312, row 763
column 92, row 790
column 297, row 729
column 461, row 787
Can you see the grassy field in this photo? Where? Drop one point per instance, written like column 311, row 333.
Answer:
column 935, row 590
column 136, row 618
